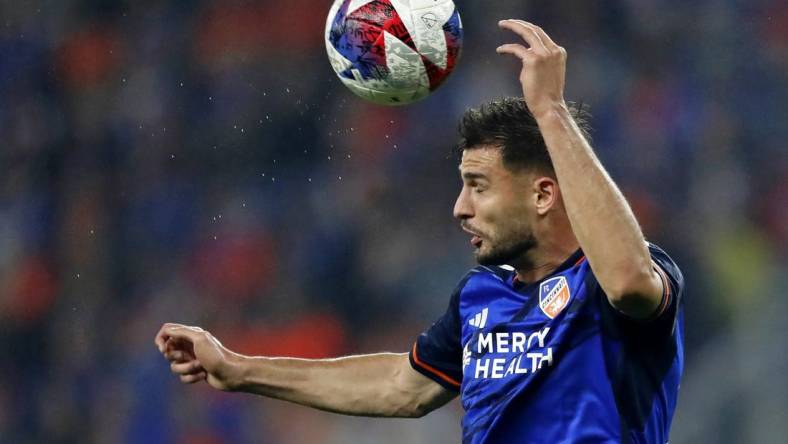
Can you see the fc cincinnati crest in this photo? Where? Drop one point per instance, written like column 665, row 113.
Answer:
column 554, row 296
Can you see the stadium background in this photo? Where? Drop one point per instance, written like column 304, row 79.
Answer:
column 197, row 161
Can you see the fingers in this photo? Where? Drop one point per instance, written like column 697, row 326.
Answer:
column 514, row 49
column 178, row 331
column 191, row 379
column 176, row 342
column 163, row 335
column 177, row 356
column 532, row 34
column 546, row 40
column 527, row 32
column 186, row 368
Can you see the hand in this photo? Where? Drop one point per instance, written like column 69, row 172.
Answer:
column 544, row 66
column 196, row 355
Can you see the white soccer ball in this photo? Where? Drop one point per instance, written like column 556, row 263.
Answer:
column 393, row 52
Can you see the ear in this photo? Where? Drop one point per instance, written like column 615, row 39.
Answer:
column 546, row 194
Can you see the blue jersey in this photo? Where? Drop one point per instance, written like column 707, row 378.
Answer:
column 553, row 361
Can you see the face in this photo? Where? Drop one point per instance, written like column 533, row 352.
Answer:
column 494, row 208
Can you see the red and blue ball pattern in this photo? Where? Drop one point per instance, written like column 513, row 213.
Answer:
column 358, row 36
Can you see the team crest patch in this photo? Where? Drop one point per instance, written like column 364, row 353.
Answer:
column 554, row 296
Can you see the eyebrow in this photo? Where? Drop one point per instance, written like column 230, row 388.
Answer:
column 468, row 175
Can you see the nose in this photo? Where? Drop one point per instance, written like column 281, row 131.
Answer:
column 462, row 207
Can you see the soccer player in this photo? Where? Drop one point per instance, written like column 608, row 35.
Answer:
column 578, row 338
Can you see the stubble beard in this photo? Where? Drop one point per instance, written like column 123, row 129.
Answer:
column 510, row 251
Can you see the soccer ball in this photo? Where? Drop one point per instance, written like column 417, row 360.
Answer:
column 393, row 52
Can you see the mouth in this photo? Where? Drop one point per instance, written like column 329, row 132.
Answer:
column 476, row 239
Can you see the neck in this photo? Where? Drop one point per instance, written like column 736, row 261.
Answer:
column 551, row 252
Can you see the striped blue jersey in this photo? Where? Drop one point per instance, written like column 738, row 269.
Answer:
column 553, row 361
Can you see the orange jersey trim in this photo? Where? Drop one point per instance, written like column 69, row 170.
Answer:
column 666, row 296
column 432, row 369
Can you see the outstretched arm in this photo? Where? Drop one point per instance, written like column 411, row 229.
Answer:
column 382, row 384
column 600, row 217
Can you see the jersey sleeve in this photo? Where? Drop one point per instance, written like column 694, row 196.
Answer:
column 437, row 353
column 672, row 284
column 664, row 318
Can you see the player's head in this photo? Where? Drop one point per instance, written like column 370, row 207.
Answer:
column 509, row 188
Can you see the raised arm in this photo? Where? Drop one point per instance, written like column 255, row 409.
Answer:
column 382, row 384
column 600, row 217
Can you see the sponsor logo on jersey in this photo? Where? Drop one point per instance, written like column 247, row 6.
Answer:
column 504, row 354
column 554, row 296
column 480, row 320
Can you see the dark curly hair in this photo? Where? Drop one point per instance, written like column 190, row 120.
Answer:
column 509, row 124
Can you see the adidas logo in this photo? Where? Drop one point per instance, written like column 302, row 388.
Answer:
column 480, row 320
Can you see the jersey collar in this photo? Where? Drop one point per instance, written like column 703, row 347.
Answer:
column 573, row 260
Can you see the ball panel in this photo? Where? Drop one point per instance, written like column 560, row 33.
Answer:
column 383, row 15
column 360, row 43
column 405, row 65
column 452, row 31
column 355, row 4
column 338, row 62
column 429, row 35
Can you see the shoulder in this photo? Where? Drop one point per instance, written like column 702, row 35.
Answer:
column 481, row 280
column 485, row 274
column 501, row 272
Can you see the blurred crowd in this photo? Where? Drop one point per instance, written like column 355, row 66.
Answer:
column 198, row 162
